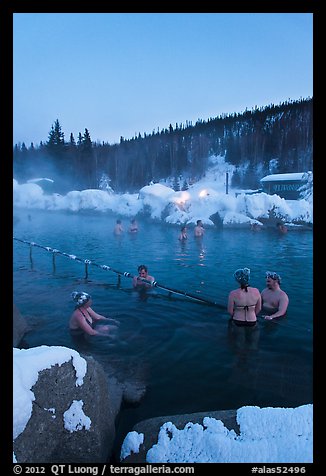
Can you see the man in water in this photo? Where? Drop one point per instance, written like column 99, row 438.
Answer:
column 118, row 229
column 281, row 228
column 274, row 300
column 199, row 229
column 142, row 273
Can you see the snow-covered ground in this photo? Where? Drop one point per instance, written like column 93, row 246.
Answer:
column 201, row 201
column 268, row 435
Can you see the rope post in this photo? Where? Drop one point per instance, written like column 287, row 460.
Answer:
column 126, row 274
column 53, row 262
column 87, row 262
column 30, row 255
column 54, row 251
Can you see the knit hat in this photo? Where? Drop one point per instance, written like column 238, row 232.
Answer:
column 80, row 298
column 273, row 275
column 242, row 275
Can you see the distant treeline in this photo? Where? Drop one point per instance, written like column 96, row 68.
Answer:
column 278, row 137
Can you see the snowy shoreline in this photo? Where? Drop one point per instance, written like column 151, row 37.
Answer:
column 158, row 202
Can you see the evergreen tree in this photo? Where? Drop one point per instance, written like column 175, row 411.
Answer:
column 87, row 143
column 185, row 185
column 55, row 149
column 56, row 141
column 254, row 138
column 72, row 141
column 104, row 183
column 306, row 190
column 176, row 185
column 80, row 140
column 88, row 165
column 236, row 178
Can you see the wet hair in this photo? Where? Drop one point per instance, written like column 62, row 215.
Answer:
column 242, row 275
column 273, row 275
column 142, row 267
column 198, row 222
column 80, row 298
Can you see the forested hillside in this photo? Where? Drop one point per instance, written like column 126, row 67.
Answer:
column 273, row 139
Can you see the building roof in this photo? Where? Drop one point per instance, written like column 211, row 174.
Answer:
column 277, row 177
column 35, row 180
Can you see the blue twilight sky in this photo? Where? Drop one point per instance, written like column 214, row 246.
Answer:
column 121, row 74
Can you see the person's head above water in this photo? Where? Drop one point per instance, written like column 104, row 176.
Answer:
column 80, row 298
column 242, row 275
column 142, row 269
column 274, row 276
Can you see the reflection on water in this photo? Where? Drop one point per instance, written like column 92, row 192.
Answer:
column 185, row 352
column 199, row 240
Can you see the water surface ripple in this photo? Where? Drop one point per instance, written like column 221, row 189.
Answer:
column 183, row 350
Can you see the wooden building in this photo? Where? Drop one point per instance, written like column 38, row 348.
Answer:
column 285, row 185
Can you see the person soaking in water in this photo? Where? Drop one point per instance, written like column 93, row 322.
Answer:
column 84, row 320
column 245, row 302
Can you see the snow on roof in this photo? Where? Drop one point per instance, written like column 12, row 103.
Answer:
column 277, row 177
column 39, row 180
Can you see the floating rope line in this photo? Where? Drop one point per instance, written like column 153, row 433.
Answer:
column 105, row 267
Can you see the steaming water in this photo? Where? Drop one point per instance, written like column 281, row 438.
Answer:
column 181, row 350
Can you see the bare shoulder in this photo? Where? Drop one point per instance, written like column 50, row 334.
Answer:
column 283, row 294
column 76, row 316
column 256, row 291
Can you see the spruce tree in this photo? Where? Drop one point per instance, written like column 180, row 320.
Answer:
column 56, row 140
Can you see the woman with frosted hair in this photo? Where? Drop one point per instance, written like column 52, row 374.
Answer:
column 84, row 320
column 244, row 303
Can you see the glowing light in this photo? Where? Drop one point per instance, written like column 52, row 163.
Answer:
column 203, row 193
